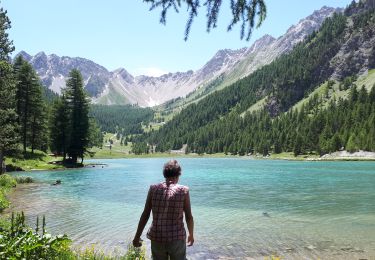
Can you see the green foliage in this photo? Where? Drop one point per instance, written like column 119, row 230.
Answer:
column 31, row 108
column 244, row 12
column 24, row 179
column 60, row 127
column 8, row 116
column 95, row 135
column 123, row 119
column 140, row 148
column 93, row 253
column 7, row 181
column 78, row 107
column 6, row 46
column 20, row 242
column 213, row 125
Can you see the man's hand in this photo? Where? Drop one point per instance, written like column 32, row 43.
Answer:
column 137, row 242
column 190, row 240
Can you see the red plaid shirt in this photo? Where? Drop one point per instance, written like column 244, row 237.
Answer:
column 167, row 203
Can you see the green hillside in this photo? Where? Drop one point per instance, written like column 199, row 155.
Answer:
column 251, row 115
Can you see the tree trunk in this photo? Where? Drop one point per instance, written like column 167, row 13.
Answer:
column 2, row 167
column 33, row 135
column 63, row 145
column 25, row 119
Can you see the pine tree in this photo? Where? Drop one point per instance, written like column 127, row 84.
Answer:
column 95, row 135
column 8, row 115
column 78, row 104
column 242, row 11
column 30, row 106
column 60, row 127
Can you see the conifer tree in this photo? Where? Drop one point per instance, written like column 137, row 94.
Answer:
column 60, row 127
column 244, row 12
column 8, row 116
column 30, row 106
column 78, row 104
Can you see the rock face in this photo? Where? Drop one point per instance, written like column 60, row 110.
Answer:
column 266, row 49
column 54, row 70
column 356, row 55
column 120, row 87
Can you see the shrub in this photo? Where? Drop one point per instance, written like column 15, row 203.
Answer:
column 24, row 179
column 17, row 241
column 21, row 242
column 7, row 181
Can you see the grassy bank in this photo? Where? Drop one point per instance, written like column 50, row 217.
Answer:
column 18, row 241
column 6, row 184
column 34, row 161
column 106, row 154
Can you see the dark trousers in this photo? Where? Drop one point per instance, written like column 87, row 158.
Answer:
column 175, row 250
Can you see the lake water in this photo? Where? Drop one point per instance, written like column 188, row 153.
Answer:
column 243, row 209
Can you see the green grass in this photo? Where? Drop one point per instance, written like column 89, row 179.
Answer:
column 37, row 161
column 290, row 156
column 257, row 106
column 18, row 241
column 367, row 80
column 6, row 183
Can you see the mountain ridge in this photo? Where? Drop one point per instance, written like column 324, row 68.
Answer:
column 120, row 87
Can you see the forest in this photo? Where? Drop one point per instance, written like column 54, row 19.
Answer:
column 221, row 122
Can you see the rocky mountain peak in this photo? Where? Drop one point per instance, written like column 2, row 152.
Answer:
column 124, row 74
column 39, row 61
column 119, row 86
column 24, row 55
column 262, row 42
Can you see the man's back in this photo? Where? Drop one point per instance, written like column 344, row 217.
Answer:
column 167, row 203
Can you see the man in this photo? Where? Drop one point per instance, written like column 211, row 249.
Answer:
column 168, row 202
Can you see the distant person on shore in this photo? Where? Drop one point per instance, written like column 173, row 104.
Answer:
column 168, row 202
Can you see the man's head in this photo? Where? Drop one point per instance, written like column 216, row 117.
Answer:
column 171, row 169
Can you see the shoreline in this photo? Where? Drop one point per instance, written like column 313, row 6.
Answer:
column 370, row 156
column 342, row 156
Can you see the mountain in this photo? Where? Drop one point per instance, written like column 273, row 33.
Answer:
column 54, row 70
column 239, row 64
column 227, row 66
column 317, row 98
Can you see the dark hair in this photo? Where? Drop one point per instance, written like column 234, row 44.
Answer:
column 171, row 169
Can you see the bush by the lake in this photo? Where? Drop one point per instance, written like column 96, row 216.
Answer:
column 18, row 241
column 24, row 179
column 21, row 242
column 6, row 182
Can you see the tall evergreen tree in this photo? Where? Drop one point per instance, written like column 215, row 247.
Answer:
column 30, row 106
column 78, row 104
column 60, row 127
column 8, row 116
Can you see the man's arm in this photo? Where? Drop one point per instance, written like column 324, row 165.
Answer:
column 189, row 219
column 143, row 221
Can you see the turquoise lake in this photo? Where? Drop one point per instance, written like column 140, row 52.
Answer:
column 243, row 208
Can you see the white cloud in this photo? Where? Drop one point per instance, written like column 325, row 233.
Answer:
column 153, row 72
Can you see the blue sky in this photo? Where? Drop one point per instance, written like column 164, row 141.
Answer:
column 124, row 33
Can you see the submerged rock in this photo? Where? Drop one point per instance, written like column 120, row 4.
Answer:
column 58, row 182
column 265, row 214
